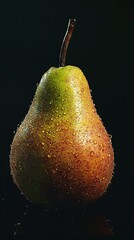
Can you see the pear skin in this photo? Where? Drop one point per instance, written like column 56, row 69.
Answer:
column 62, row 152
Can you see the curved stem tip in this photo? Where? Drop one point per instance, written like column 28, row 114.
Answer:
column 65, row 43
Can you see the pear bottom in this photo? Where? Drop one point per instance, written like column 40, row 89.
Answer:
column 67, row 178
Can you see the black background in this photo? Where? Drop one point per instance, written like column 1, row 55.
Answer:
column 102, row 45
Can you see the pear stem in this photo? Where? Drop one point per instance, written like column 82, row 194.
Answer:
column 65, row 43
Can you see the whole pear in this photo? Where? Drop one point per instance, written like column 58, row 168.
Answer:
column 62, row 152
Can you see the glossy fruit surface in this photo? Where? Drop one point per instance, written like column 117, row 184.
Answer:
column 61, row 152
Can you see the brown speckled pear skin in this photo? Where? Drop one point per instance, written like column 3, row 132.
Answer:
column 61, row 152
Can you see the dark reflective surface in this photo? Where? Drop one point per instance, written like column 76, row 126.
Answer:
column 108, row 217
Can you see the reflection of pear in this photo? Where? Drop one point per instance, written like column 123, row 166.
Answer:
column 62, row 150
column 99, row 226
column 70, row 221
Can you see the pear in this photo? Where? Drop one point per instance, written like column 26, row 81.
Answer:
column 61, row 153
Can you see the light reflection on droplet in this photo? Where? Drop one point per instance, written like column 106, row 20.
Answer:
column 110, row 136
column 82, row 90
column 92, row 153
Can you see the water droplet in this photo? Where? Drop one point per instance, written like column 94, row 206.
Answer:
column 98, row 134
column 51, row 119
column 76, row 155
column 109, row 155
column 92, row 153
column 110, row 136
column 95, row 142
column 49, row 156
column 54, row 170
column 42, row 143
column 50, row 102
column 64, row 113
column 43, row 131
column 54, row 156
column 67, row 120
column 82, row 90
